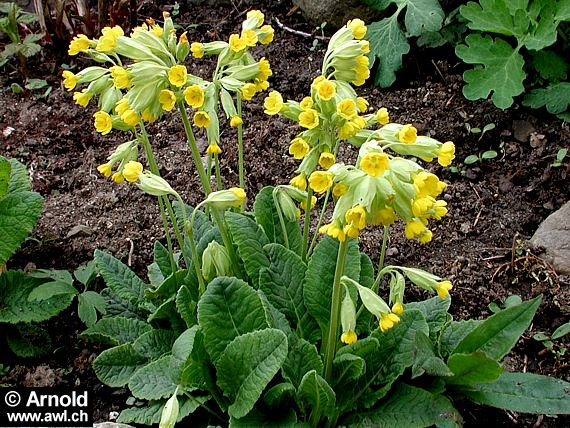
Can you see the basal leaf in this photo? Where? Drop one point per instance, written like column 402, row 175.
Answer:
column 181, row 351
column 50, row 289
column 563, row 11
column 275, row 318
column 228, row 309
column 153, row 381
column 167, row 312
column 280, row 395
column 388, row 44
column 315, row 394
column 550, row 65
column 118, row 307
column 116, row 330
column 301, row 359
column 5, row 170
column 425, row 359
column 28, row 340
column 489, row 15
column 423, row 16
column 502, row 71
column 434, row 311
column 186, row 306
column 114, row 367
column 555, row 97
column 346, row 369
column 150, row 415
column 247, row 365
column 472, row 368
column 454, row 333
column 154, row 343
column 19, row 179
column 257, row 419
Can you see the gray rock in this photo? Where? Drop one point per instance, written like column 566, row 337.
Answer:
column 553, row 237
column 335, row 12
column 111, row 425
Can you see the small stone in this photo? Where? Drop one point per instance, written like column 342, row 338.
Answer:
column 465, row 228
column 537, row 140
column 392, row 251
column 7, row 131
column 522, row 130
column 553, row 238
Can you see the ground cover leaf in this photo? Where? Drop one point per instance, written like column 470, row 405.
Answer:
column 19, row 179
column 115, row 366
column 472, row 368
column 154, row 380
column 315, row 394
column 154, row 343
column 150, row 415
column 434, row 311
column 550, row 65
column 116, row 330
column 301, row 359
column 28, row 340
column 5, row 170
column 555, row 97
column 425, row 359
column 453, row 333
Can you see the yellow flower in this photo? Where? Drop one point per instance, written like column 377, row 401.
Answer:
column 317, row 80
column 361, row 104
column 365, row 46
column 299, row 181
column 426, row 237
column 334, row 231
column 356, row 216
column 326, row 90
column 117, row 177
column 299, row 148
column 348, row 337
column 236, row 43
column 408, row 134
column 358, row 28
column 121, row 106
column 303, row 204
column 236, row 121
column 157, row 30
column 240, row 195
column 374, row 164
column 121, row 79
column 264, row 70
column 148, row 116
column 167, row 99
column 398, row 308
column 442, row 288
column 82, row 98
column 183, row 39
column 213, row 149
column 347, row 130
column 439, row 209
column 346, row 108
column 267, row 34
column 387, row 321
column 339, row 189
column 80, row 43
column 201, row 119
column 321, row 181
column 105, row 169
column 194, row 96
column 103, row 122
column 223, row 199
column 427, row 184
column 351, row 230
column 309, row 119
column 130, row 117
column 177, row 75
column 273, row 103
column 108, row 40
column 197, row 49
column 446, row 153
column 257, row 14
column 248, row 91
column 306, row 103
column 69, row 80
column 421, row 206
column 382, row 116
column 384, row 216
column 132, row 170
column 326, row 160
column 249, row 37
column 261, row 86
column 417, row 229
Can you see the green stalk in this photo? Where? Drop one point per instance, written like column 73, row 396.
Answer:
column 219, row 185
column 332, row 335
column 189, row 230
column 322, row 214
column 167, row 234
column 227, row 241
column 307, row 222
column 281, row 219
column 383, row 249
column 241, row 171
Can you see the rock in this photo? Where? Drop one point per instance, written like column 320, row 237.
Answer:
column 522, row 130
column 111, row 425
column 335, row 12
column 553, row 238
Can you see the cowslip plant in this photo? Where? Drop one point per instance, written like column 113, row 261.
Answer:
column 253, row 321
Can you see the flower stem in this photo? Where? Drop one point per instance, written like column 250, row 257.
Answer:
column 381, row 257
column 307, row 222
column 189, row 230
column 335, row 310
column 322, row 214
column 219, row 185
column 167, row 234
column 241, row 171
column 281, row 219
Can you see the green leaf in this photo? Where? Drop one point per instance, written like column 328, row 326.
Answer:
column 523, row 392
column 150, row 415
column 167, row 311
column 454, row 333
column 317, row 287
column 542, row 32
column 116, row 330
column 423, row 16
column 500, row 332
column 388, row 44
column 347, row 368
column 118, row 307
column 54, row 274
column 276, row 319
column 282, row 419
column 19, row 213
column 250, row 240
column 411, row 407
column 114, row 367
column 301, row 359
column 186, row 306
column 563, row 330
column 472, row 368
column 27, row 340
column 161, row 267
column 563, row 11
column 119, row 278
column 502, row 72
column 315, row 394
column 153, row 381
column 425, row 359
column 228, row 309
column 5, row 170
column 19, row 179
column 280, row 395
column 88, row 303
column 181, row 351
column 30, row 49
column 87, row 273
column 247, row 365
column 489, row 15
column 555, row 97
column 550, row 65
column 50, row 289
column 15, row 307
column 170, row 286
column 154, row 343
column 489, row 154
column 434, row 311
column 33, row 84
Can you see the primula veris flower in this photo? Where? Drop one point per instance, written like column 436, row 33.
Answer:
column 334, row 231
column 130, row 117
column 155, row 185
column 303, row 203
column 326, row 90
column 299, row 181
column 317, row 80
column 249, row 37
column 148, row 116
column 398, row 308
column 309, row 119
column 118, row 178
column 382, row 116
column 197, row 49
column 357, row 27
column 215, row 261
column 306, row 103
column 229, row 198
column 365, row 46
column 103, row 122
column 374, row 164
column 267, row 35
column 346, row 108
column 264, row 70
column 339, row 189
column 248, row 91
column 439, row 209
column 321, row 181
column 261, row 86
column 348, row 337
column 442, row 288
column 258, row 15
column 69, row 80
column 408, row 134
column 82, row 98
column 157, row 30
column 326, row 160
column 105, row 169
column 132, row 170
column 80, row 43
column 194, row 96
column 121, row 79
column 356, row 216
column 384, row 216
column 361, row 104
column 427, row 184
column 122, row 106
column 167, row 99
column 417, row 229
column 237, row 44
column 273, row 103
column 236, row 121
column 387, row 321
column 108, row 40
column 178, row 75
column 446, row 153
column 298, row 148
column 213, row 149
column 201, row 119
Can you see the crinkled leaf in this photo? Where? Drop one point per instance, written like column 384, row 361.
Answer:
column 454, row 333
column 472, row 368
column 346, row 369
column 550, row 65
column 118, row 307
column 5, row 170
column 388, row 44
column 19, row 179
column 301, row 359
column 186, row 306
column 154, row 343
column 555, row 97
column 153, row 381
column 116, row 330
column 489, row 15
column 86, row 273
column 114, row 367
column 167, row 312
column 50, row 289
column 434, row 311
column 28, row 340
column 315, row 394
column 150, row 415
column 181, row 351
column 276, row 319
column 247, row 365
column 280, row 395
column 425, row 359
column 563, row 10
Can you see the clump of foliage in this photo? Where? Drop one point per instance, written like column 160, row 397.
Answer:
column 251, row 319
column 11, row 24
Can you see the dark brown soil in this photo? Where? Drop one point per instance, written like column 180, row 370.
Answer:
column 494, row 206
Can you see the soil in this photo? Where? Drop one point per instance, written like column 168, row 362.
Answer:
column 494, row 205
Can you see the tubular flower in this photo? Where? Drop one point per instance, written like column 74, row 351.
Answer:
column 374, row 164
column 303, row 204
column 103, row 122
column 299, row 148
column 446, row 153
column 398, row 308
column 356, row 216
column 416, row 229
column 299, row 181
column 361, row 104
column 427, row 184
column 267, row 34
column 117, row 177
column 382, row 116
column 122, row 106
column 257, row 14
column 240, row 195
column 365, row 46
column 236, row 121
column 108, row 40
column 408, row 134
column 264, row 70
column 105, row 169
column 273, row 103
column 348, row 337
column 148, row 116
column 384, row 216
column 334, row 231
column 249, row 37
column 387, row 321
column 346, row 108
column 326, row 89
column 357, row 27
column 167, row 99
column 194, row 96
column 213, row 149
column 69, row 80
column 120, row 77
column 309, row 118
column 306, row 103
column 201, row 119
column 132, row 170
column 80, row 43
column 82, row 98
column 261, row 86
column 439, row 209
column 326, row 160
column 178, row 75
column 321, row 181
column 197, row 49
column 157, row 30
column 339, row 189
column 442, row 288
column 130, row 117
column 248, row 91
column 237, row 44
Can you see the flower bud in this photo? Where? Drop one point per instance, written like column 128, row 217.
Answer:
column 169, row 413
column 229, row 198
column 215, row 261
column 155, row 185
